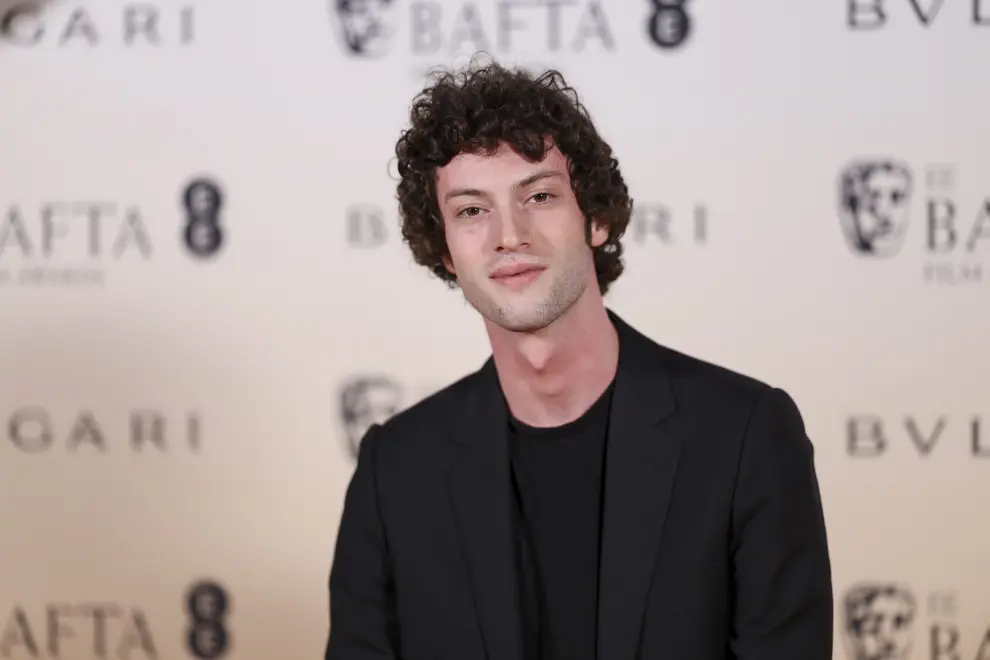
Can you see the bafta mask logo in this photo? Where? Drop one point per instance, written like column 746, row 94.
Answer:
column 364, row 401
column 877, row 622
column 364, row 27
column 873, row 205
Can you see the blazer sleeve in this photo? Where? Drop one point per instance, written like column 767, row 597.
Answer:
column 363, row 619
column 782, row 606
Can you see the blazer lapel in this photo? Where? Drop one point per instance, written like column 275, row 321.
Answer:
column 641, row 462
column 479, row 486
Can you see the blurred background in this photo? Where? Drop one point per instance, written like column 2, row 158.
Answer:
column 204, row 298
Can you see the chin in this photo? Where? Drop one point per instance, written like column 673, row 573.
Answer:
column 528, row 310
column 527, row 317
column 520, row 325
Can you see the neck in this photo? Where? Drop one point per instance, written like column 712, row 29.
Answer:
column 552, row 376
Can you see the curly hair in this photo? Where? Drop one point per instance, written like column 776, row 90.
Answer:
column 478, row 109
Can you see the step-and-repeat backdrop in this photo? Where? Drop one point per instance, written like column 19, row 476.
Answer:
column 204, row 298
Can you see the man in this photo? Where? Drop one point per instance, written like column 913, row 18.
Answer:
column 587, row 493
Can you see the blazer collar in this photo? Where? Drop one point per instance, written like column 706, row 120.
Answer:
column 641, row 461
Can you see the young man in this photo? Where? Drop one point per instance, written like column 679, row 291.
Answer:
column 587, row 493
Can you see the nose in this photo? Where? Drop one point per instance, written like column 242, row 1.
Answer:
column 513, row 230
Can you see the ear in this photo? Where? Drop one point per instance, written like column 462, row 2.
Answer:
column 449, row 265
column 599, row 234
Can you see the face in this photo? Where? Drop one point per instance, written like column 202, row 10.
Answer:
column 367, row 402
column 516, row 237
column 883, row 219
column 366, row 25
column 883, row 630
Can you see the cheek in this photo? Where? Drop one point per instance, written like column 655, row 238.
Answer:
column 572, row 225
column 462, row 247
column 574, row 234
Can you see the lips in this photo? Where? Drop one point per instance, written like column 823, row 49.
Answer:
column 511, row 270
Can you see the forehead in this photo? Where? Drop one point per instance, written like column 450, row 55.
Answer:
column 499, row 170
column 890, row 604
column 361, row 5
column 881, row 605
column 886, row 179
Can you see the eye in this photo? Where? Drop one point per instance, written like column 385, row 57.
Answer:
column 542, row 197
column 469, row 212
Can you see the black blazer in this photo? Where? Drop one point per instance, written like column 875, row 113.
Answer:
column 713, row 537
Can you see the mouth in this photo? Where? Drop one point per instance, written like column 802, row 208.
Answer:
column 517, row 275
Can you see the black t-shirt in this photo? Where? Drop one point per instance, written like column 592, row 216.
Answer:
column 557, row 476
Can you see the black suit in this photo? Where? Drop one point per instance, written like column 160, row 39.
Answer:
column 713, row 537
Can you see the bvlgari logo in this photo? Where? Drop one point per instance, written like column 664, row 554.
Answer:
column 108, row 23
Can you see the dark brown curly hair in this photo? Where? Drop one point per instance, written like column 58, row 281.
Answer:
column 476, row 110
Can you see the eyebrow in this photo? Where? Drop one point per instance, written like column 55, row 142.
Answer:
column 523, row 183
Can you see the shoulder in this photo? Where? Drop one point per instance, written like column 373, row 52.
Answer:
column 697, row 385
column 432, row 412
column 744, row 402
column 714, row 393
column 716, row 397
column 743, row 426
column 701, row 383
column 417, row 432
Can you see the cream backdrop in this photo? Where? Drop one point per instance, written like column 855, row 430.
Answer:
column 174, row 415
